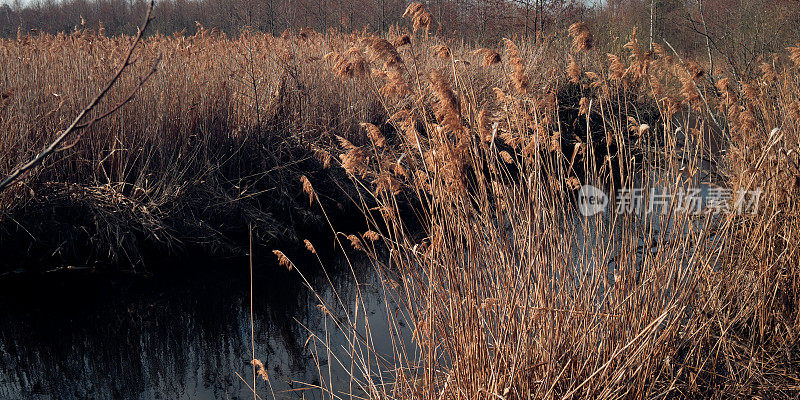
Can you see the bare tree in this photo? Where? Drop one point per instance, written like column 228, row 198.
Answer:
column 652, row 18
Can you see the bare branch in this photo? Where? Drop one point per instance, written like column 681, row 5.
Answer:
column 127, row 99
column 76, row 123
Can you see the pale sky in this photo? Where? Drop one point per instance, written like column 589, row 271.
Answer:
column 24, row 2
column 9, row 2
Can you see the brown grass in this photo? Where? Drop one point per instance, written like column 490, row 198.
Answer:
column 508, row 292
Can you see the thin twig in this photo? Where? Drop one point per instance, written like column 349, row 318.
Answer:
column 76, row 123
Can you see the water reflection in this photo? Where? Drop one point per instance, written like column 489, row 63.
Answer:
column 172, row 336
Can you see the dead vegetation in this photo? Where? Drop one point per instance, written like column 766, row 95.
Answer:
column 507, row 291
column 510, row 293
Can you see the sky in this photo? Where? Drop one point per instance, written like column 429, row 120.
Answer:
column 25, row 2
column 9, row 2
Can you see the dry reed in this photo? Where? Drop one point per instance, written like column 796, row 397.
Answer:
column 506, row 289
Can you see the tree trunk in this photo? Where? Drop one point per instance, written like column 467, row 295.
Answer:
column 652, row 12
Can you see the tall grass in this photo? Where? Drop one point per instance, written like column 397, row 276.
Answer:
column 511, row 293
column 216, row 140
column 466, row 164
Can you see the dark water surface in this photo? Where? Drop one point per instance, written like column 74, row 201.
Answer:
column 181, row 334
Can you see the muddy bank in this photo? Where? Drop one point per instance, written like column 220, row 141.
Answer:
column 68, row 224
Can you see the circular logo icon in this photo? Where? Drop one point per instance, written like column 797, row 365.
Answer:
column 591, row 201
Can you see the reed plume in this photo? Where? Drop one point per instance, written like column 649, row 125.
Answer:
column 283, row 261
column 518, row 76
column 309, row 246
column 355, row 242
column 448, row 111
column 372, row 236
column 383, row 50
column 308, row 189
column 260, row 370
column 794, row 55
column 582, row 39
column 419, row 16
column 573, row 71
column 488, row 56
column 351, row 64
column 354, row 161
column 402, row 40
column 616, row 68
column 441, row 51
column 374, row 134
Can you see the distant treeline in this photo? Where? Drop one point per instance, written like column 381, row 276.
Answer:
column 472, row 19
column 732, row 31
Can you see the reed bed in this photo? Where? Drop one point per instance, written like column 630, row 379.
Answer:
column 509, row 292
column 465, row 166
column 208, row 145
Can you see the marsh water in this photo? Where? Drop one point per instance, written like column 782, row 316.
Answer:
column 181, row 333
